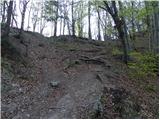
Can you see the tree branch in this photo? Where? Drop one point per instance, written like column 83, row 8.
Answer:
column 108, row 8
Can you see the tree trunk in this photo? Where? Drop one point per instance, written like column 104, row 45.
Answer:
column 122, row 38
column 124, row 27
column 78, row 28
column 68, row 28
column 133, row 25
column 73, row 21
column 64, row 23
column 119, row 26
column 29, row 19
column 155, row 30
column 4, row 10
column 60, row 25
column 55, row 22
column 149, row 31
column 41, row 30
column 105, row 27
column 34, row 26
column 9, row 14
column 98, row 20
column 89, row 21
column 23, row 17
column 55, row 27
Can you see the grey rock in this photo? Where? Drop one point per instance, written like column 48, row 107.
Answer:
column 54, row 83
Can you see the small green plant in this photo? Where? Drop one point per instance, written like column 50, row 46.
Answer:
column 116, row 51
column 150, row 88
column 145, row 64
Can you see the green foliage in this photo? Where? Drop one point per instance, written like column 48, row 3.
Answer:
column 145, row 64
column 150, row 88
column 116, row 51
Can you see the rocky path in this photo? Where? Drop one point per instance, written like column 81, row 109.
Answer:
column 59, row 83
column 78, row 87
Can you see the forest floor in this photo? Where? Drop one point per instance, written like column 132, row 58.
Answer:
column 70, row 77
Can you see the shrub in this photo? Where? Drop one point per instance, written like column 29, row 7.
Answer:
column 145, row 64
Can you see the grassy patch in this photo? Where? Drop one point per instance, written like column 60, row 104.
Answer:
column 71, row 63
column 116, row 51
column 144, row 65
column 150, row 88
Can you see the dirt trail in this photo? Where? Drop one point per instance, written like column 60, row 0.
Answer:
column 79, row 89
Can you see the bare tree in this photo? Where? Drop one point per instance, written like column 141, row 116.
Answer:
column 4, row 11
column 73, row 21
column 98, row 24
column 9, row 14
column 13, row 15
column 89, row 20
column 29, row 14
column 56, row 18
column 23, row 3
column 35, row 17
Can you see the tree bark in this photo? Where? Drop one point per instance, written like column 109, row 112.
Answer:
column 98, row 24
column 34, row 26
column 119, row 26
column 4, row 10
column 73, row 21
column 148, row 21
column 89, row 21
column 133, row 25
column 60, row 26
column 55, row 22
column 124, row 27
column 155, row 30
column 29, row 19
column 23, row 16
column 9, row 14
column 64, row 24
column 69, row 32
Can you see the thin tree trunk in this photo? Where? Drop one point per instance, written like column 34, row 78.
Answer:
column 4, row 10
column 98, row 20
column 155, row 5
column 68, row 28
column 55, row 22
column 89, row 21
column 64, row 22
column 149, row 31
column 34, row 26
column 29, row 19
column 14, row 20
column 133, row 25
column 60, row 26
column 23, row 17
column 9, row 14
column 124, row 26
column 73, row 21
column 55, row 27
column 105, row 27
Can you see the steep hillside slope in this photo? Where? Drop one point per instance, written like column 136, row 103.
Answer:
column 69, row 77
